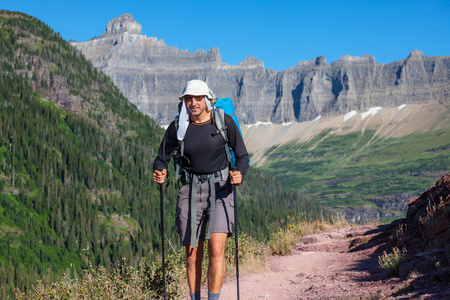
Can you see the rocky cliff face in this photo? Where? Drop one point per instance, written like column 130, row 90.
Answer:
column 316, row 88
column 152, row 74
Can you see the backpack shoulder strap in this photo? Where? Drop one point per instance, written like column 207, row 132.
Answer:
column 179, row 152
column 177, row 122
column 219, row 121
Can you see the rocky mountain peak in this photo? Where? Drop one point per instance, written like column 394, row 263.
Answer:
column 415, row 54
column 320, row 60
column 123, row 23
column 364, row 58
column 251, row 62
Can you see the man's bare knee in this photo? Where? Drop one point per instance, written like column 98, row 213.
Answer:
column 193, row 255
column 216, row 251
column 216, row 246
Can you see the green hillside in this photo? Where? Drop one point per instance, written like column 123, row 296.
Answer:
column 362, row 170
column 75, row 166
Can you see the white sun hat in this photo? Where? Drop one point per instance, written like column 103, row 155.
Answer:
column 193, row 88
column 197, row 88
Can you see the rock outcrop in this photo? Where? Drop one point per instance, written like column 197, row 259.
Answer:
column 124, row 23
column 152, row 74
column 432, row 211
column 424, row 235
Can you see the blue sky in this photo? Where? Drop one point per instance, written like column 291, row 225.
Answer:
column 279, row 33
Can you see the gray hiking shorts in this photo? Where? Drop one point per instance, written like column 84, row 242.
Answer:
column 223, row 212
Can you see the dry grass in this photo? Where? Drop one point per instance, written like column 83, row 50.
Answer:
column 433, row 214
column 324, row 225
column 253, row 255
column 289, row 233
column 414, row 274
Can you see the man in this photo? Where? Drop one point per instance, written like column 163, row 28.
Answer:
column 205, row 200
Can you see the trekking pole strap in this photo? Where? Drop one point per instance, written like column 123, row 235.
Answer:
column 193, row 204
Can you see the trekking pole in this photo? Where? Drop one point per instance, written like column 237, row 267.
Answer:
column 162, row 236
column 236, row 235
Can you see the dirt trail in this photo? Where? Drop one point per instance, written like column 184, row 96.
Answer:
column 324, row 268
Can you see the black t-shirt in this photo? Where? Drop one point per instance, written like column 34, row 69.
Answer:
column 204, row 148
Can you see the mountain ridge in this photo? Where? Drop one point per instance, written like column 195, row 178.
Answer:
column 151, row 75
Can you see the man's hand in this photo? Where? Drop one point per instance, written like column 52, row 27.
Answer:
column 236, row 177
column 159, row 176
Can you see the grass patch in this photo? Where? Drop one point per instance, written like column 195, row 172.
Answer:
column 391, row 261
column 281, row 242
column 289, row 232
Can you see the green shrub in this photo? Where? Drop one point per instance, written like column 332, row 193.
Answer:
column 281, row 242
column 391, row 261
column 124, row 282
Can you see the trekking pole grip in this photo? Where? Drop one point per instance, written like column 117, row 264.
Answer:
column 233, row 169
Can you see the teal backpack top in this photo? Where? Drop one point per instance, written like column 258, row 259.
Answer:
column 227, row 105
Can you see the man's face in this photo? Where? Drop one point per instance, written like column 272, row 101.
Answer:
column 195, row 104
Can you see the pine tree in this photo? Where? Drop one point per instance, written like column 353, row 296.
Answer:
column 72, row 241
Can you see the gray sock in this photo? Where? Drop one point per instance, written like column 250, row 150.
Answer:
column 195, row 296
column 212, row 296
